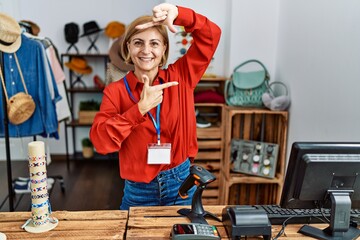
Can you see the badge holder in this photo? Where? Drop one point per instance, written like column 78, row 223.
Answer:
column 159, row 153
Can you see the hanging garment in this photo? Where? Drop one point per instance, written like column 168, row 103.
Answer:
column 62, row 106
column 34, row 67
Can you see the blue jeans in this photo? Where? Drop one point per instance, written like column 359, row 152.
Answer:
column 162, row 191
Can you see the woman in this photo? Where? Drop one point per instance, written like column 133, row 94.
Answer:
column 148, row 116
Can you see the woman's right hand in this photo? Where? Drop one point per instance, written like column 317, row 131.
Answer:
column 151, row 96
column 163, row 14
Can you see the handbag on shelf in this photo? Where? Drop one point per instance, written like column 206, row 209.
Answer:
column 245, row 88
column 21, row 106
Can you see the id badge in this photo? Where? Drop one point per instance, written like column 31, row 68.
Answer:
column 159, row 153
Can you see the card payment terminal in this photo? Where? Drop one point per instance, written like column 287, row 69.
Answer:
column 192, row 231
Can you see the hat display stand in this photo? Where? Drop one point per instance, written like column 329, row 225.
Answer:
column 92, row 39
column 78, row 67
column 91, row 31
column 72, row 45
column 71, row 31
column 78, row 80
column 41, row 220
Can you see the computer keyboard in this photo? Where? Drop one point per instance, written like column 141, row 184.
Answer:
column 278, row 215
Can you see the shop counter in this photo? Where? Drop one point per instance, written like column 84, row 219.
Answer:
column 76, row 225
column 136, row 224
column 156, row 223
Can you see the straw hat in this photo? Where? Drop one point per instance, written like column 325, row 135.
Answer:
column 10, row 34
column 79, row 65
column 114, row 29
column 115, row 57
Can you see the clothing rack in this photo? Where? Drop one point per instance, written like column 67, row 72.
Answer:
column 10, row 196
column 7, row 142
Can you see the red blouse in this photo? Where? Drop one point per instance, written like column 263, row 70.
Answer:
column 119, row 126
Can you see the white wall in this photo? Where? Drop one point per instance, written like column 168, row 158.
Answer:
column 253, row 33
column 313, row 46
column 318, row 57
column 215, row 10
column 51, row 16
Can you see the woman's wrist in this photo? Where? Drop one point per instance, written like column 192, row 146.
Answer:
column 142, row 109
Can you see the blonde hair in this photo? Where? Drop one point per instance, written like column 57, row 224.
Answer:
column 131, row 31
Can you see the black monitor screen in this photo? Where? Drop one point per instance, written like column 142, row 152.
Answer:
column 317, row 168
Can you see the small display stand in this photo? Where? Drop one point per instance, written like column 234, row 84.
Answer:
column 41, row 220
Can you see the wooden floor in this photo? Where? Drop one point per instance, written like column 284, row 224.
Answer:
column 89, row 185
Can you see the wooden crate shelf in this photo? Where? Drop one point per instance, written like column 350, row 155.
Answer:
column 258, row 125
column 211, row 144
column 209, row 155
column 209, row 133
column 212, row 166
column 211, row 140
column 248, row 194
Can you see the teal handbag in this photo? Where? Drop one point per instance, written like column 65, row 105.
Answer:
column 245, row 89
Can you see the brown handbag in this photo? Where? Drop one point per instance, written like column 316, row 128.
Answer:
column 21, row 106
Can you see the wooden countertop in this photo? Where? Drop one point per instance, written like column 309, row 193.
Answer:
column 72, row 225
column 156, row 223
column 137, row 224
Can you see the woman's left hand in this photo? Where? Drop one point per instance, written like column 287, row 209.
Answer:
column 163, row 14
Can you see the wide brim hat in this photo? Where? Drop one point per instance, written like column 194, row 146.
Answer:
column 90, row 27
column 115, row 56
column 33, row 27
column 10, row 34
column 114, row 29
column 79, row 65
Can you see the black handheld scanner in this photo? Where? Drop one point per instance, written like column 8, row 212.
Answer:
column 198, row 176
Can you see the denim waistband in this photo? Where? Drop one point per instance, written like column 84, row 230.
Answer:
column 176, row 170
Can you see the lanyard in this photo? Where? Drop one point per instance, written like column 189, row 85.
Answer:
column 157, row 122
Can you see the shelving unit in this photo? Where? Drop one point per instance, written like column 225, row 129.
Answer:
column 211, row 139
column 74, row 92
column 258, row 125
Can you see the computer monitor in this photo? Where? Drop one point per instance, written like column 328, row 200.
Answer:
column 324, row 174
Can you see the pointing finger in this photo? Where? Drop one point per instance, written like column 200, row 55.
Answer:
column 165, row 85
